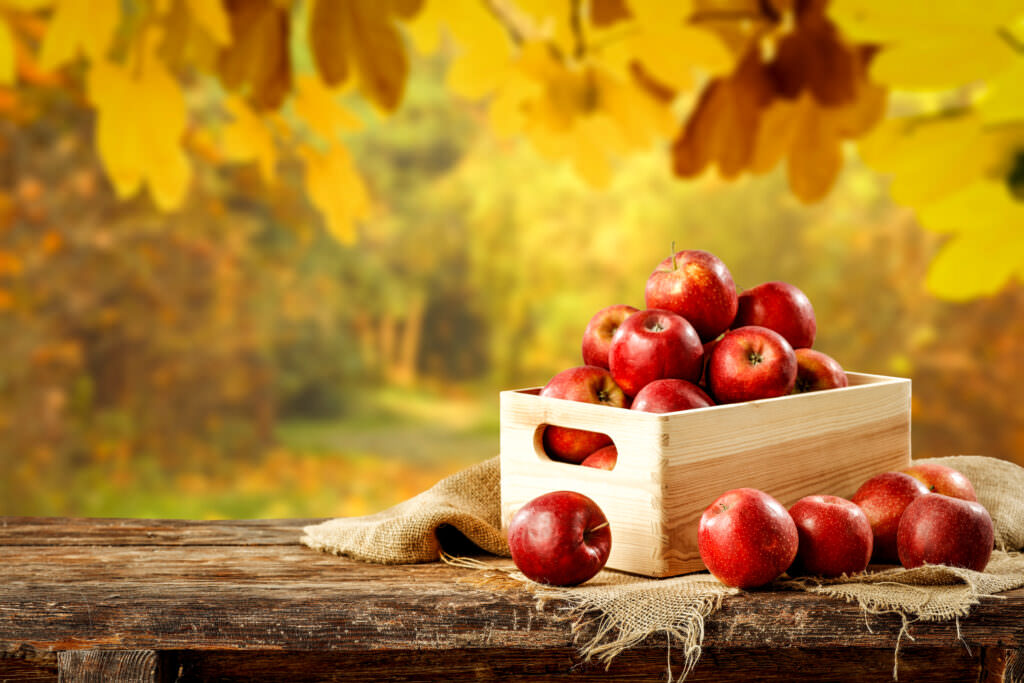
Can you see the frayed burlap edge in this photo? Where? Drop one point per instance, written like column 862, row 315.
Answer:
column 928, row 593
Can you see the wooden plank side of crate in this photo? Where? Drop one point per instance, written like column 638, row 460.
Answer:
column 829, row 443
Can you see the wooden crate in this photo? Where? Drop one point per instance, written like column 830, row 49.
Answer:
column 672, row 466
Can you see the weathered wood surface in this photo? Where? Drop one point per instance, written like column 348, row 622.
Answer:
column 244, row 600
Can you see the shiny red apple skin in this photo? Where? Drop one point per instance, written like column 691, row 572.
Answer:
column 746, row 538
column 751, row 363
column 588, row 384
column 941, row 479
column 883, row 498
column 603, row 458
column 597, row 338
column 779, row 306
column 938, row 529
column 697, row 285
column 561, row 538
column 670, row 395
column 817, row 371
column 654, row 344
column 835, row 537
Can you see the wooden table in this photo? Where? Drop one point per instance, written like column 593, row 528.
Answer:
column 149, row 600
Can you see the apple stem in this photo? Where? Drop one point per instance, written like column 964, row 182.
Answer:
column 675, row 266
column 598, row 527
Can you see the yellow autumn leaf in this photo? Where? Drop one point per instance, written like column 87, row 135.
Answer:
column 482, row 48
column 7, row 60
column 930, row 158
column 547, row 20
column 86, row 26
column 247, row 138
column 212, row 18
column 320, row 108
column 965, row 57
column 1003, row 100
column 880, row 21
column 986, row 248
column 141, row 118
column 336, row 189
column 641, row 120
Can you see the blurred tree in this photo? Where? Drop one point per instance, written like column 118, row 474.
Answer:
column 755, row 83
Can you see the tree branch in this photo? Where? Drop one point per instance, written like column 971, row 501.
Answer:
column 515, row 34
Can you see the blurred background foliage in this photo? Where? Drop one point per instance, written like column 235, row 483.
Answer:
column 277, row 259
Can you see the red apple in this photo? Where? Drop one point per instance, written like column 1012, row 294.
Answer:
column 603, row 458
column 938, row 529
column 589, row 384
column 746, row 538
column 696, row 285
column 835, row 537
column 750, row 363
column 883, row 498
column 816, row 371
column 654, row 344
column 781, row 307
column 670, row 395
column 561, row 538
column 597, row 338
column 941, row 479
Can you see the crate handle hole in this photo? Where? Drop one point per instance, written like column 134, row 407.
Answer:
column 574, row 446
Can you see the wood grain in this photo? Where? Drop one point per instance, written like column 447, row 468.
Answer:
column 672, row 466
column 224, row 605
column 108, row 666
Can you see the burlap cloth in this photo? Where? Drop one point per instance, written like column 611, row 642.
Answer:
column 627, row 608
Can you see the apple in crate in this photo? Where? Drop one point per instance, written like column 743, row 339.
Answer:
column 670, row 395
column 835, row 537
column 816, row 371
column 561, row 538
column 603, row 458
column 883, row 498
column 781, row 307
column 589, row 384
column 938, row 529
column 750, row 363
column 654, row 344
column 696, row 285
column 597, row 338
column 941, row 479
column 746, row 538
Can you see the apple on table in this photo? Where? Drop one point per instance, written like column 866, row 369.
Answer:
column 835, row 537
column 942, row 479
column 939, row 529
column 561, row 538
column 746, row 538
column 883, row 498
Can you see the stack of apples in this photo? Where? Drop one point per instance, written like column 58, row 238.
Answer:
column 698, row 343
